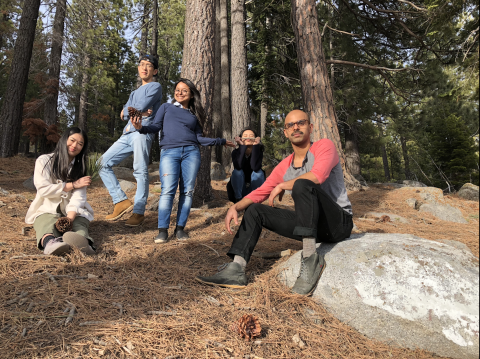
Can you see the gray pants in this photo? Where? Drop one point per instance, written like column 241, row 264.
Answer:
column 45, row 224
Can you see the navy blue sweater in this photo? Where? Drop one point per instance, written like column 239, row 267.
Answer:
column 179, row 127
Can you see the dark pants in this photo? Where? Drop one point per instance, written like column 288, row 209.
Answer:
column 316, row 215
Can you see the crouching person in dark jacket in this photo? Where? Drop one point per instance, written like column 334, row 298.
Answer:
column 247, row 160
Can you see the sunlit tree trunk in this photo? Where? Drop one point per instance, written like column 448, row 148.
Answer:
column 199, row 66
column 352, row 154
column 314, row 76
column 239, row 89
column 225, row 84
column 144, row 36
column 406, row 159
column 217, row 97
column 12, row 109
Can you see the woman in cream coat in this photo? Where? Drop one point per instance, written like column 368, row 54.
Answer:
column 61, row 183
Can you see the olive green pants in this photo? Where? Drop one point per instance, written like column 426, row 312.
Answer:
column 45, row 224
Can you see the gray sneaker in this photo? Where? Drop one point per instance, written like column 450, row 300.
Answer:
column 232, row 276
column 161, row 238
column 180, row 234
column 310, row 272
column 77, row 240
column 56, row 247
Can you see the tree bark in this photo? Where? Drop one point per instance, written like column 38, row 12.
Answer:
column 51, row 102
column 384, row 154
column 199, row 66
column 352, row 154
column 239, row 88
column 406, row 159
column 154, row 48
column 314, row 75
column 217, row 98
column 12, row 109
column 264, row 104
column 83, row 105
column 144, row 36
column 225, row 70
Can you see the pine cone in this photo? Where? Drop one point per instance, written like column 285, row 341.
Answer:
column 133, row 112
column 247, row 327
column 64, row 224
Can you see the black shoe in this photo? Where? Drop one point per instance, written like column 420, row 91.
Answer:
column 180, row 234
column 310, row 271
column 162, row 237
column 232, row 276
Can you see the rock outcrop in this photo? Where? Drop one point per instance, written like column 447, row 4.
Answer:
column 401, row 289
column 469, row 192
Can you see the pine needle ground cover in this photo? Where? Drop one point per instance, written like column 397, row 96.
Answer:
column 138, row 299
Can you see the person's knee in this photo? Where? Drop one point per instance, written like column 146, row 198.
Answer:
column 252, row 210
column 302, row 186
column 258, row 175
column 237, row 172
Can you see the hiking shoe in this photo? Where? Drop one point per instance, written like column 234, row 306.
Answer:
column 310, row 271
column 120, row 209
column 180, row 234
column 56, row 247
column 135, row 220
column 77, row 240
column 162, row 237
column 232, row 276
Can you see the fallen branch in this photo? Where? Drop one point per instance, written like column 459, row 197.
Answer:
column 52, row 278
column 33, row 256
column 22, row 295
column 274, row 255
column 30, row 307
column 70, row 316
column 84, row 324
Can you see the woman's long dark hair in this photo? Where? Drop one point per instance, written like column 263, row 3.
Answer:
column 59, row 164
column 195, row 104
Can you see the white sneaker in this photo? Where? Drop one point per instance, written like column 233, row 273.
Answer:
column 56, row 247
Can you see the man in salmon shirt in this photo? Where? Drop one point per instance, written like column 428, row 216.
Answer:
column 323, row 212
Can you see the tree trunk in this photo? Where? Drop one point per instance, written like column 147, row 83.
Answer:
column 51, row 102
column 384, row 154
column 12, row 109
column 199, row 66
column 83, row 105
column 352, row 154
column 154, row 48
column 239, row 88
column 264, row 104
column 406, row 159
column 314, row 76
column 144, row 36
column 217, row 98
column 225, row 70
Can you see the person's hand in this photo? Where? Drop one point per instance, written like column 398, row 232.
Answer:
column 147, row 113
column 230, row 144
column 83, row 182
column 231, row 214
column 137, row 123
column 72, row 215
column 239, row 141
column 257, row 141
column 277, row 192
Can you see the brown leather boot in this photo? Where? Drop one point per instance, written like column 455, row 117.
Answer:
column 120, row 209
column 135, row 220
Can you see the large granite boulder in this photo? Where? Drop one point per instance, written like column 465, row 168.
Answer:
column 423, row 194
column 217, row 172
column 28, row 184
column 469, row 192
column 444, row 212
column 127, row 186
column 123, row 173
column 401, row 289
column 416, row 184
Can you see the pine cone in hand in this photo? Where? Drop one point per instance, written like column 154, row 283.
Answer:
column 133, row 112
column 64, row 224
column 247, row 327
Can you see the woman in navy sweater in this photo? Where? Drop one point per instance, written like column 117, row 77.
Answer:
column 181, row 132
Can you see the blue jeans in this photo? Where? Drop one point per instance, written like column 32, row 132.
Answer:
column 177, row 164
column 240, row 185
column 139, row 145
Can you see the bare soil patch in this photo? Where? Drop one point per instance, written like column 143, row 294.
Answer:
column 116, row 292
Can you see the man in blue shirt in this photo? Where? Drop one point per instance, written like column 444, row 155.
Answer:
column 146, row 99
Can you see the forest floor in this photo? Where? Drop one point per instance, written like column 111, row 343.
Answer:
column 115, row 292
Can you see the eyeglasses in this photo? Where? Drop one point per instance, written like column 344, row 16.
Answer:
column 183, row 92
column 300, row 123
column 147, row 65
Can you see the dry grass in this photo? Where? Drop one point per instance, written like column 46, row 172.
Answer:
column 132, row 277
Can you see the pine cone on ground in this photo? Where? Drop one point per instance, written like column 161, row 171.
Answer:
column 247, row 327
column 133, row 112
column 64, row 224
